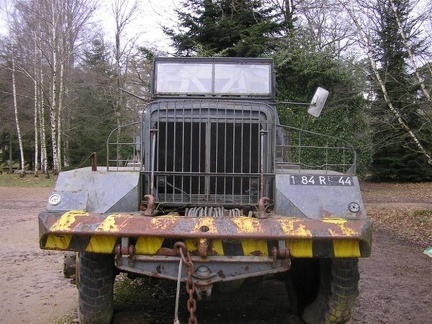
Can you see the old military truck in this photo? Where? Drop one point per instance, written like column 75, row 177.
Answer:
column 207, row 189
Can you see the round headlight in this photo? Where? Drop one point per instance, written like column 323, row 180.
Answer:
column 354, row 207
column 54, row 199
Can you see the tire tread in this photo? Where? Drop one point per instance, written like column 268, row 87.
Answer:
column 95, row 289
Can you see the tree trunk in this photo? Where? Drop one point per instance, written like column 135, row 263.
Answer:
column 36, row 109
column 41, row 111
column 53, row 106
column 364, row 41
column 15, row 105
column 10, row 154
column 410, row 54
column 60, row 109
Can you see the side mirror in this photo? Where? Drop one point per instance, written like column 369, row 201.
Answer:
column 318, row 102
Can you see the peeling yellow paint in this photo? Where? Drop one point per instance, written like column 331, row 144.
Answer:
column 247, row 225
column 254, row 247
column 341, row 223
column 108, row 225
column 101, row 244
column 300, row 248
column 345, row 231
column 58, row 242
column 294, row 227
column 65, row 221
column 346, row 248
column 217, row 247
column 336, row 221
column 163, row 222
column 191, row 244
column 148, row 245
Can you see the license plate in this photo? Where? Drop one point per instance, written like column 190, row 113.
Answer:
column 321, row 180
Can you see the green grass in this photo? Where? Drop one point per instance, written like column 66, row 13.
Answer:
column 68, row 319
column 423, row 217
column 29, row 180
column 138, row 292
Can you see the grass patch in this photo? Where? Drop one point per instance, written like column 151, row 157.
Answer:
column 29, row 180
column 68, row 319
column 141, row 291
column 128, row 291
column 423, row 217
column 148, row 298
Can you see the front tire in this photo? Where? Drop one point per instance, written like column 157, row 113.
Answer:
column 325, row 290
column 95, row 288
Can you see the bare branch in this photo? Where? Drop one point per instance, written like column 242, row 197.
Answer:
column 365, row 41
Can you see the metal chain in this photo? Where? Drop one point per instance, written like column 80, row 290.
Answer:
column 176, row 320
column 190, row 289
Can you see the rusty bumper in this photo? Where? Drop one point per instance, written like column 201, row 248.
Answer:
column 102, row 233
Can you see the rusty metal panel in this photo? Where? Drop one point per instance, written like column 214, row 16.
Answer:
column 296, row 232
column 134, row 224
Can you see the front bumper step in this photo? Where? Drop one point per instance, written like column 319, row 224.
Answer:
column 228, row 236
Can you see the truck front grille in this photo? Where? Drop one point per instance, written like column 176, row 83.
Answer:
column 208, row 153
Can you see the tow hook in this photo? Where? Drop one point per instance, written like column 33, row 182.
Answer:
column 124, row 248
column 281, row 254
column 262, row 207
column 149, row 206
column 203, row 283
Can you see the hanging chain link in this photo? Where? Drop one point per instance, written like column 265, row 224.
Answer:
column 176, row 320
column 190, row 289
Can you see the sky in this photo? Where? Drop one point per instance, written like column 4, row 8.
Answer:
column 148, row 19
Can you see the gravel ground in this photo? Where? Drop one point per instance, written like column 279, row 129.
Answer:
column 395, row 285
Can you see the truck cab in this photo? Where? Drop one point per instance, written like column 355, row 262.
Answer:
column 208, row 188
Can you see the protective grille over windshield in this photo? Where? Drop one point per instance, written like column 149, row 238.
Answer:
column 192, row 77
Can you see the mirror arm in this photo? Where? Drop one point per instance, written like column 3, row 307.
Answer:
column 294, row 103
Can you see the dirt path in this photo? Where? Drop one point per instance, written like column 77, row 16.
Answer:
column 32, row 287
column 395, row 285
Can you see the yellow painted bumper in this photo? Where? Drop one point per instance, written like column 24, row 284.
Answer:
column 233, row 236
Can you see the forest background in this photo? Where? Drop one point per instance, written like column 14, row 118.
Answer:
column 65, row 83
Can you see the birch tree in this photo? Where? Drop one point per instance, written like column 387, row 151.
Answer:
column 14, row 57
column 36, row 112
column 40, row 151
column 410, row 52
column 366, row 27
column 55, row 27
column 15, row 107
column 24, row 24
column 54, row 110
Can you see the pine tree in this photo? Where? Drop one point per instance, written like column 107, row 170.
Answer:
column 242, row 28
column 93, row 118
